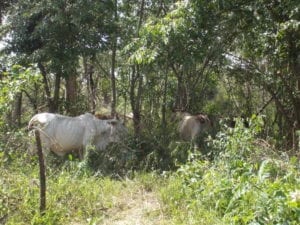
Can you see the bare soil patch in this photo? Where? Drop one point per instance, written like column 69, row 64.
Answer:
column 140, row 207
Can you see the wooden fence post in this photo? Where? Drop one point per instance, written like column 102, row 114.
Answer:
column 42, row 173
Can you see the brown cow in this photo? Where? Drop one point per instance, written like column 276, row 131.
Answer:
column 192, row 126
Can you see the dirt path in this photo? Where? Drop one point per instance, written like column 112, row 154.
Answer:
column 140, row 207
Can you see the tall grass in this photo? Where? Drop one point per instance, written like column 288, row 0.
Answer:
column 247, row 183
column 70, row 197
column 75, row 195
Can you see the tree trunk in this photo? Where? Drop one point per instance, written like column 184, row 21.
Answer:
column 113, row 66
column 113, row 85
column 138, row 103
column 164, row 105
column 135, row 99
column 17, row 110
column 113, row 80
column 180, row 101
column 42, row 173
column 137, row 79
column 71, row 95
column 52, row 102
column 46, row 86
column 91, row 86
column 294, row 64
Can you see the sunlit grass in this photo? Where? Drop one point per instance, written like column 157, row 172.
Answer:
column 69, row 197
column 73, row 197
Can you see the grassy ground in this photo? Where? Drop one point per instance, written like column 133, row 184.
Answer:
column 75, row 197
column 200, row 193
column 247, row 183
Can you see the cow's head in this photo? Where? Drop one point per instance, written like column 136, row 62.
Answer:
column 117, row 130
column 205, row 122
column 108, row 131
column 40, row 120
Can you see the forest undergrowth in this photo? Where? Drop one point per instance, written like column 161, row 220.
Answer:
column 246, row 181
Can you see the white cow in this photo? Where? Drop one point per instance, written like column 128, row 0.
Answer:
column 62, row 134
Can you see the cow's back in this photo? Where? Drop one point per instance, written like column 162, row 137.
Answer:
column 65, row 134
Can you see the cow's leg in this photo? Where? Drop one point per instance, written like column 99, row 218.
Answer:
column 196, row 147
column 87, row 146
column 81, row 153
column 195, row 144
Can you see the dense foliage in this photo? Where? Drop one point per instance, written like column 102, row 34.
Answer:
column 248, row 183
